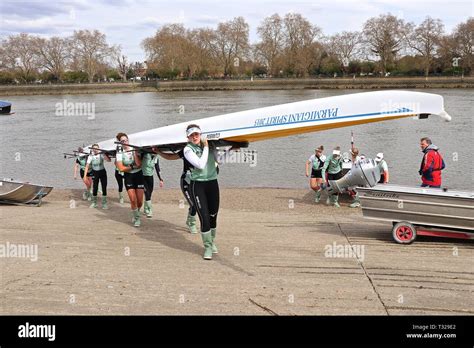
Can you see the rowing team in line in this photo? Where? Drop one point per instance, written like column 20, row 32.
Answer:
column 325, row 169
column 134, row 167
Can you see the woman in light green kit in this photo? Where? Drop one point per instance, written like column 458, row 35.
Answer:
column 150, row 163
column 129, row 162
column 96, row 161
column 204, row 186
column 81, row 162
column 333, row 166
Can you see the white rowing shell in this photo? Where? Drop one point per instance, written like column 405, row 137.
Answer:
column 296, row 118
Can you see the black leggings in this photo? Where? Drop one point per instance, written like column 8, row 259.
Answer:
column 336, row 176
column 185, row 188
column 102, row 176
column 206, row 200
column 119, row 179
column 148, row 186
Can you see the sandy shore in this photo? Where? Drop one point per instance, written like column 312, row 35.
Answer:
column 272, row 260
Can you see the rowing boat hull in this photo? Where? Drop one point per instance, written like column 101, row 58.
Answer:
column 14, row 192
column 297, row 118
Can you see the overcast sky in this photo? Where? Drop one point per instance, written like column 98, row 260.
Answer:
column 128, row 22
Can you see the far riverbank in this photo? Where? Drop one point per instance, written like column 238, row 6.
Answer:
column 255, row 84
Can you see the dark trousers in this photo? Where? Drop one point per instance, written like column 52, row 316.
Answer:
column 336, row 176
column 186, row 189
column 148, row 186
column 99, row 175
column 120, row 180
column 205, row 196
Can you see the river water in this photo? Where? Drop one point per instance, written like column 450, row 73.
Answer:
column 33, row 140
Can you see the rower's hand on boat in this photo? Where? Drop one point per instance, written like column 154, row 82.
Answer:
column 204, row 140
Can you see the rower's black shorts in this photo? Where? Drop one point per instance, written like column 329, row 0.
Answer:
column 88, row 174
column 336, row 176
column 316, row 173
column 134, row 181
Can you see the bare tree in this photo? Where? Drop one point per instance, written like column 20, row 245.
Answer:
column 229, row 43
column 166, row 46
column 300, row 36
column 91, row 50
column 3, row 57
column 424, row 39
column 446, row 51
column 226, row 48
column 121, row 62
column 19, row 55
column 344, row 46
column 53, row 54
column 201, row 54
column 170, row 49
column 385, row 37
column 270, row 47
column 464, row 36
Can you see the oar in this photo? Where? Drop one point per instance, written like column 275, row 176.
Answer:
column 74, row 154
column 106, row 152
column 141, row 148
column 83, row 152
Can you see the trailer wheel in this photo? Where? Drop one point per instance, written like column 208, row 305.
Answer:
column 404, row 232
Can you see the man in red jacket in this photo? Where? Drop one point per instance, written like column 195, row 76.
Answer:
column 431, row 165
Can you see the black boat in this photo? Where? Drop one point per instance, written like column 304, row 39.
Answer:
column 5, row 108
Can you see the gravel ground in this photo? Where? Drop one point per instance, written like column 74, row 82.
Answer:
column 278, row 255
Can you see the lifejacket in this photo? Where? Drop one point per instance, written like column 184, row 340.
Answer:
column 431, row 166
